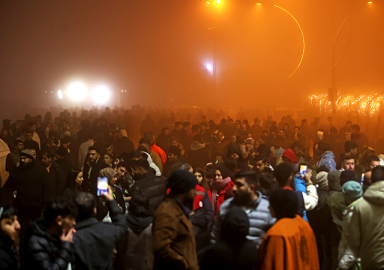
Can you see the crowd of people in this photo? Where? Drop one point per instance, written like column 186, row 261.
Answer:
column 187, row 193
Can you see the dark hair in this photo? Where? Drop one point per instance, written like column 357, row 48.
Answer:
column 195, row 128
column 371, row 158
column 16, row 142
column 377, row 174
column 139, row 205
column 349, row 145
column 49, row 154
column 142, row 148
column 185, row 167
column 282, row 173
column 71, row 180
column 178, row 123
column 285, row 203
column 323, row 147
column 267, row 184
column 58, row 206
column 141, row 163
column 93, row 148
column 250, row 177
column 144, row 141
column 260, row 157
column 200, row 171
column 7, row 212
column 296, row 144
column 174, row 150
column 86, row 204
column 122, row 164
column 347, row 157
column 322, row 168
column 355, row 126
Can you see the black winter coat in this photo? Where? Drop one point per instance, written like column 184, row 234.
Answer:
column 44, row 251
column 94, row 241
column 7, row 253
column 57, row 179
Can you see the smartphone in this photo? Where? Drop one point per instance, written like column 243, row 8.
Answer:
column 303, row 171
column 102, row 185
column 362, row 178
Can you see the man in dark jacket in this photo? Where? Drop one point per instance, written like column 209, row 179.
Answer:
column 55, row 172
column 234, row 250
column 49, row 243
column 29, row 143
column 174, row 243
column 95, row 241
column 153, row 187
column 13, row 158
column 199, row 154
column 173, row 158
column 92, row 169
column 62, row 158
column 30, row 181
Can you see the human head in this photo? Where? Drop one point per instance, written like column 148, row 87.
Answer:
column 110, row 174
column 165, row 131
column 283, row 204
column 150, row 136
column 260, row 163
column 121, row 169
column 139, row 205
column 289, row 156
column 348, row 163
column 139, row 167
column 322, row 147
column 371, row 162
column 94, row 153
column 109, row 150
column 352, row 191
column 350, row 147
column 346, row 176
column 355, row 129
column 179, row 125
column 200, row 176
column 75, row 179
column 9, row 225
column 60, row 214
column 186, row 167
column 26, row 156
column 86, row 204
column 47, row 158
column 108, row 159
column 18, row 145
column 283, row 174
column 182, row 184
column 377, row 174
column 296, row 130
column 267, row 184
column 235, row 226
column 173, row 153
column 245, row 188
column 28, row 135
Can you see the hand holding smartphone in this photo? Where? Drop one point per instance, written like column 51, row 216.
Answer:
column 303, row 171
column 102, row 186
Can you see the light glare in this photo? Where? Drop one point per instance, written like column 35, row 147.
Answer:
column 209, row 67
column 218, row 1
column 101, row 94
column 60, row 94
column 77, row 91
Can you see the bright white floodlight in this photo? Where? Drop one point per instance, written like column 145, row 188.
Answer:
column 77, row 91
column 60, row 94
column 209, row 67
column 101, row 94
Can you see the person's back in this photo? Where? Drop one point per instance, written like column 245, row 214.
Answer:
column 233, row 250
column 95, row 241
column 366, row 233
column 290, row 243
column 134, row 250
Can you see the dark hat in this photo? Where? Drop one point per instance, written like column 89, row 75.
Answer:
column 181, row 181
column 26, row 153
column 352, row 190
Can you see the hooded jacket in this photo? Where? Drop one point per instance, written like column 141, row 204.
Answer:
column 234, row 250
column 328, row 160
column 365, row 233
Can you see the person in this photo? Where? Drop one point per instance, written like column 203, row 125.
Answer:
column 33, row 189
column 75, row 179
column 261, row 163
column 92, row 169
column 173, row 158
column 164, row 139
column 249, row 198
column 327, row 156
column 358, row 137
column 134, row 250
column 13, row 158
column 365, row 232
column 290, row 243
column 84, row 149
column 55, row 173
column 174, row 245
column 154, row 148
column 108, row 159
column 62, row 158
column 9, row 231
column 352, row 192
column 348, row 163
column 198, row 155
column 371, row 162
column 297, row 137
column 123, row 144
column 95, row 241
column 49, row 244
column 29, row 142
column 307, row 200
column 289, row 156
column 154, row 187
column 219, row 187
column 233, row 250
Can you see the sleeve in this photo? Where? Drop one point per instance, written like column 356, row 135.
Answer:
column 42, row 259
column 311, row 198
column 164, row 232
column 118, row 219
column 215, row 235
column 353, row 232
column 47, row 187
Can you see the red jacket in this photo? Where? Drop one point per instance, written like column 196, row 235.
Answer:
column 160, row 152
column 222, row 196
column 198, row 200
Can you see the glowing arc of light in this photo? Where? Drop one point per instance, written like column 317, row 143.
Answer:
column 302, row 35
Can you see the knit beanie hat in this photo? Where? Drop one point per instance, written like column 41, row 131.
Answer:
column 26, row 153
column 347, row 176
column 181, row 181
column 290, row 155
column 321, row 179
column 285, row 203
column 352, row 190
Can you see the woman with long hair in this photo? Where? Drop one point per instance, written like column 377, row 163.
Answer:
column 75, row 179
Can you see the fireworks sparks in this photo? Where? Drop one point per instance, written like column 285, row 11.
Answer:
column 359, row 105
